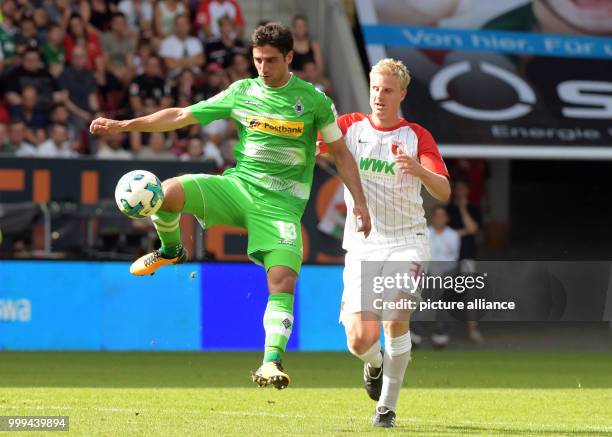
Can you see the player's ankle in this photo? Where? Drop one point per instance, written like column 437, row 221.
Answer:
column 170, row 251
column 272, row 356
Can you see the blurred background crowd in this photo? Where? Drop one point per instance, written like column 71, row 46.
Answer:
column 65, row 62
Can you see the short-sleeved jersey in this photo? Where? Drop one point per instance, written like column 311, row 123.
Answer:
column 394, row 199
column 277, row 131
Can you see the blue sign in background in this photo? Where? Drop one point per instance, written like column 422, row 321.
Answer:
column 319, row 298
column 519, row 43
column 234, row 298
column 100, row 306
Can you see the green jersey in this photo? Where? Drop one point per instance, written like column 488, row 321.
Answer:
column 7, row 43
column 277, row 131
column 53, row 56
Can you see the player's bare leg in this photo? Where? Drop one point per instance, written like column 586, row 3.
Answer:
column 278, row 323
column 363, row 341
column 166, row 222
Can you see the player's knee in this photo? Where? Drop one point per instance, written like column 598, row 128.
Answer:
column 174, row 195
column 360, row 342
column 281, row 279
column 395, row 328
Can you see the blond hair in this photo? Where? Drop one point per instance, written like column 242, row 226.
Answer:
column 395, row 68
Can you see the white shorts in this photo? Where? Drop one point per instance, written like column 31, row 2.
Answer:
column 353, row 300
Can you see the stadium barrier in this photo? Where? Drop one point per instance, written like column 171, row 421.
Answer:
column 44, row 195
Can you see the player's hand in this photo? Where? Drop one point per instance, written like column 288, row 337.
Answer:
column 364, row 223
column 103, row 125
column 408, row 165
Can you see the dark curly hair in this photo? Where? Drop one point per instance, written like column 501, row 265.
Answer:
column 274, row 34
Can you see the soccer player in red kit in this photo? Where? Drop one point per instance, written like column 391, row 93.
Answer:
column 395, row 158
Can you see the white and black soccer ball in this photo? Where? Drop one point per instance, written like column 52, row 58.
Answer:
column 139, row 194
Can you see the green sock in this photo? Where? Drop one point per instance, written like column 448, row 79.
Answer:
column 278, row 322
column 167, row 227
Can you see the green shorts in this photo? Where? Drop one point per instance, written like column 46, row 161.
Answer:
column 274, row 233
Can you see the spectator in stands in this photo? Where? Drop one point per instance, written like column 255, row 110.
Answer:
column 111, row 147
column 139, row 15
column 3, row 138
column 79, row 90
column 209, row 12
column 166, row 12
column 4, row 115
column 41, row 22
column 240, row 68
column 100, row 14
column 29, row 111
column 444, row 245
column 31, row 72
column 60, row 12
column 180, row 142
column 149, row 85
column 17, row 143
column 305, row 49
column 310, row 73
column 77, row 35
column 11, row 13
column 198, row 151
column 216, row 80
column 1, row 63
column 26, row 37
column 223, row 48
column 185, row 91
column 466, row 219
column 156, row 149
column 58, row 145
column 144, row 52
column 475, row 172
column 59, row 114
column 53, row 52
column 118, row 48
column 181, row 51
column 11, row 16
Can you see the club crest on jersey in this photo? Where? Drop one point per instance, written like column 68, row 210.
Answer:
column 395, row 145
column 298, row 108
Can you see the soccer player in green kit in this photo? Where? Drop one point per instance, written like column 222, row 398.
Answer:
column 277, row 116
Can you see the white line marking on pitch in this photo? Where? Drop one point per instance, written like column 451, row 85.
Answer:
column 58, row 407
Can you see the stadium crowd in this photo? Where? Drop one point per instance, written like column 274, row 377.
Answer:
column 65, row 62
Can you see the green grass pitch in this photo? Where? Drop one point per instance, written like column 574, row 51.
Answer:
column 188, row 394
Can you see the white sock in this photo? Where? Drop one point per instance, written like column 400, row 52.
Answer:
column 372, row 356
column 397, row 356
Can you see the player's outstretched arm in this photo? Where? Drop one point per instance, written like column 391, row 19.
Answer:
column 349, row 173
column 160, row 121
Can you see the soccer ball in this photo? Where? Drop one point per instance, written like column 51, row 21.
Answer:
column 139, row 194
